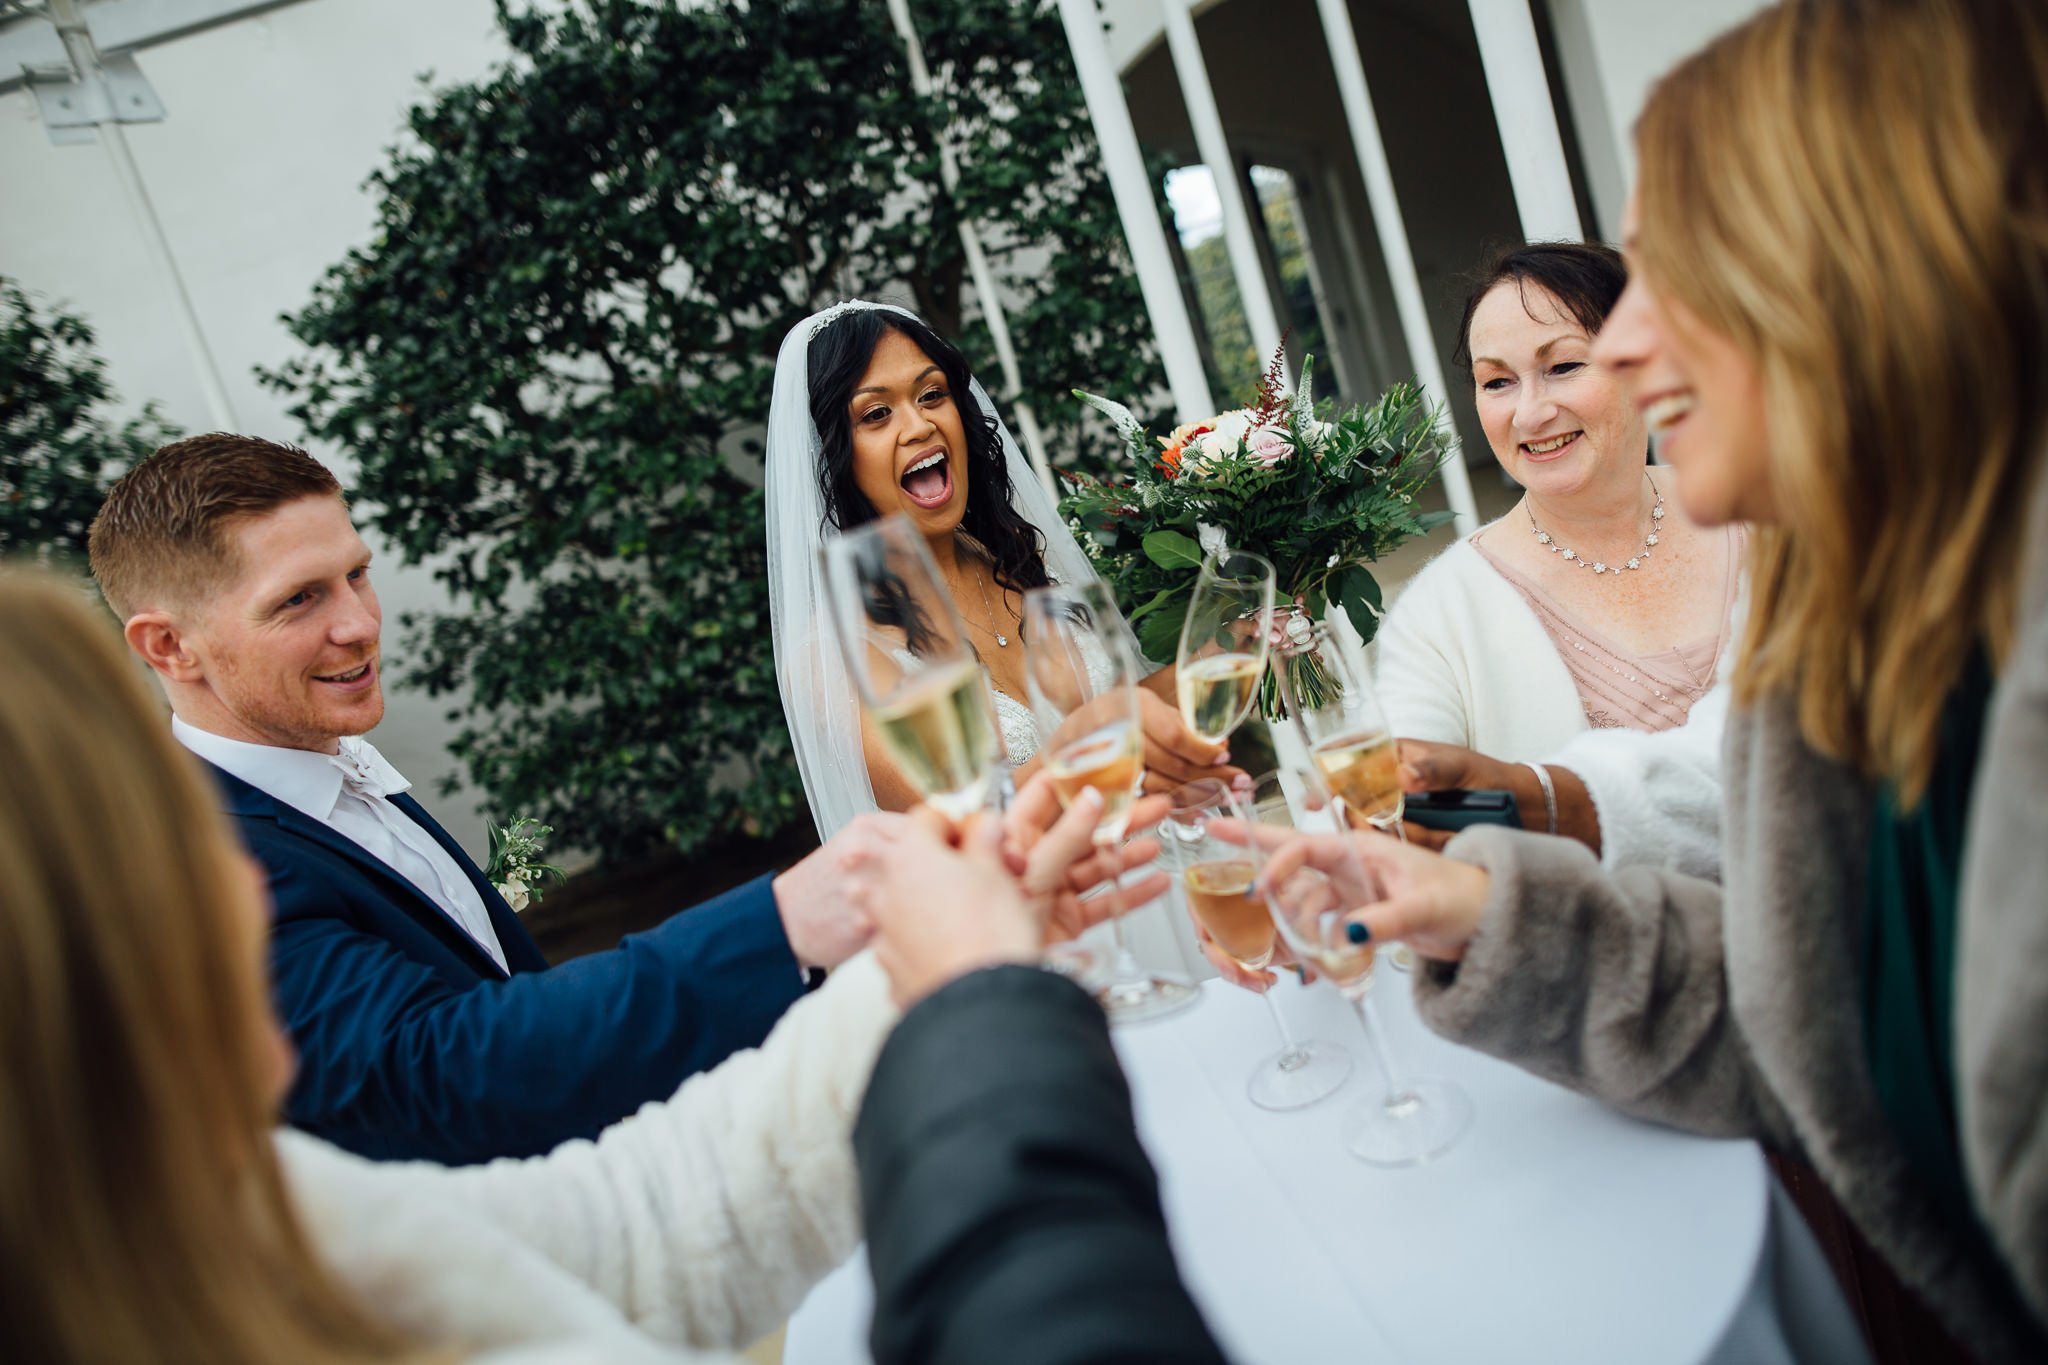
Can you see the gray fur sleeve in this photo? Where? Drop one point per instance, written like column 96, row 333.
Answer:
column 1612, row 985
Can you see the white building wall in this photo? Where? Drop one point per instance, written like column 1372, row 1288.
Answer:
column 274, row 124
column 1612, row 52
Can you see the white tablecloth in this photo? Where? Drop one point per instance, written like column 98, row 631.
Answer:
column 1557, row 1230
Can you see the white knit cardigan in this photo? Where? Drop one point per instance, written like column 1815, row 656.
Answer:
column 695, row 1225
column 1464, row 660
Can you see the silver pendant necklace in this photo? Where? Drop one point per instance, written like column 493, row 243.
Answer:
column 1598, row 566
column 1002, row 640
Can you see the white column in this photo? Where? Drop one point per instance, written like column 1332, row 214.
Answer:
column 1393, row 234
column 1522, row 108
column 1238, row 239
column 1138, row 207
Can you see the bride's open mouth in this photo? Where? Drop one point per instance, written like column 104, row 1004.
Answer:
column 929, row 480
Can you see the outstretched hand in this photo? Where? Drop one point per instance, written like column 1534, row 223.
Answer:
column 823, row 924
column 1055, row 861
column 1403, row 893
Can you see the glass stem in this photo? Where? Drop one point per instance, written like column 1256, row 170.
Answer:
column 1126, row 966
column 1399, row 1097
column 1292, row 1055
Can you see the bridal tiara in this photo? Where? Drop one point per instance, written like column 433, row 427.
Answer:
column 820, row 321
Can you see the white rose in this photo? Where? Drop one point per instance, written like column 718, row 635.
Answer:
column 514, row 892
column 1226, row 434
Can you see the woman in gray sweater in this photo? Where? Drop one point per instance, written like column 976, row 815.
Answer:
column 1837, row 322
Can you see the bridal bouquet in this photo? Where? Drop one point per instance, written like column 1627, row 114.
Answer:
column 1321, row 497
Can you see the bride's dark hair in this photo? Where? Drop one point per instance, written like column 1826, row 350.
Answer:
column 839, row 356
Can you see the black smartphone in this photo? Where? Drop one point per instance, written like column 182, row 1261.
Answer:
column 1457, row 809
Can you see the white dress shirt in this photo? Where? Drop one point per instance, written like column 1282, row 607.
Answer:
column 350, row 793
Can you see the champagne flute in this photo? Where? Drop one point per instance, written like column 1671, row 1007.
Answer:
column 1223, row 643
column 918, row 677
column 1418, row 1117
column 1330, row 699
column 1083, row 680
column 1217, row 878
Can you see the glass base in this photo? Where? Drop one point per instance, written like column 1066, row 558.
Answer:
column 1079, row 964
column 1138, row 998
column 1296, row 1079
column 1423, row 1122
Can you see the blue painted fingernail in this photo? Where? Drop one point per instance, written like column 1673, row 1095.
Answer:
column 1357, row 932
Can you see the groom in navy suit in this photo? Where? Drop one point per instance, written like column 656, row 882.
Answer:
column 426, row 1021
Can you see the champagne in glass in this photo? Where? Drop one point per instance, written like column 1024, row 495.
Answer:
column 1111, row 760
column 1223, row 643
column 1417, row 1117
column 1216, row 693
column 1082, row 673
column 938, row 729
column 1220, row 894
column 916, row 673
column 1330, row 701
column 1218, row 879
column 1363, row 771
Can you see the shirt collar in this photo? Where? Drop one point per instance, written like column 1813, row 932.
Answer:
column 306, row 781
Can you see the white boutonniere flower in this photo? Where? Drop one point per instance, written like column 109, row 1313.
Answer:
column 515, row 867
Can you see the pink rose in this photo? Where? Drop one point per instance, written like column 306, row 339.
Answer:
column 1269, row 446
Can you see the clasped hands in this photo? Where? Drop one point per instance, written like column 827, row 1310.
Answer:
column 944, row 899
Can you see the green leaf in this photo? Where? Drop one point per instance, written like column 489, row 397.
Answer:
column 1429, row 521
column 1159, row 636
column 1358, row 592
column 1159, row 599
column 1172, row 550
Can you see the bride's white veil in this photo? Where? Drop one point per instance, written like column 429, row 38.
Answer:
column 818, row 697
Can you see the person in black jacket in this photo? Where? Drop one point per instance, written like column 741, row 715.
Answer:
column 1012, row 1215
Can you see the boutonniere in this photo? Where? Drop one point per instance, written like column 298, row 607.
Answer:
column 514, row 867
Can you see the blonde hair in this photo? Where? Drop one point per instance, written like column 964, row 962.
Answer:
column 1856, row 193
column 143, row 1215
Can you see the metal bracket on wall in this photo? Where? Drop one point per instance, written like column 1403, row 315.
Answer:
column 118, row 93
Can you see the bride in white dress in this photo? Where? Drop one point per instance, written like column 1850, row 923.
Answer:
column 875, row 413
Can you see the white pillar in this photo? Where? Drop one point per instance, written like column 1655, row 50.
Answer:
column 1393, row 234
column 1138, row 207
column 1529, row 134
column 1238, row 239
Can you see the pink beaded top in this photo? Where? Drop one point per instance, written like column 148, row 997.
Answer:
column 1618, row 689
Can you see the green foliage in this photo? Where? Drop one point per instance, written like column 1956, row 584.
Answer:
column 1341, row 496
column 60, row 450
column 550, row 361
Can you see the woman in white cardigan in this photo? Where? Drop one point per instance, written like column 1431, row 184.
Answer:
column 1557, row 639
column 149, row 1212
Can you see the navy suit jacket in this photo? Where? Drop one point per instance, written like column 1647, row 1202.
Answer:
column 412, row 1042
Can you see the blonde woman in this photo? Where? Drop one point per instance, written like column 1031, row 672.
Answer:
column 1838, row 320
column 149, row 1212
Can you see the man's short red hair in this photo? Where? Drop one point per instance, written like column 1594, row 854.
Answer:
column 161, row 536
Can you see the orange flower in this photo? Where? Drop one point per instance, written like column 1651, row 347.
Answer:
column 1169, row 463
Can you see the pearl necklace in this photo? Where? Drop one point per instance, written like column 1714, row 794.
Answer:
column 1002, row 640
column 1573, row 557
